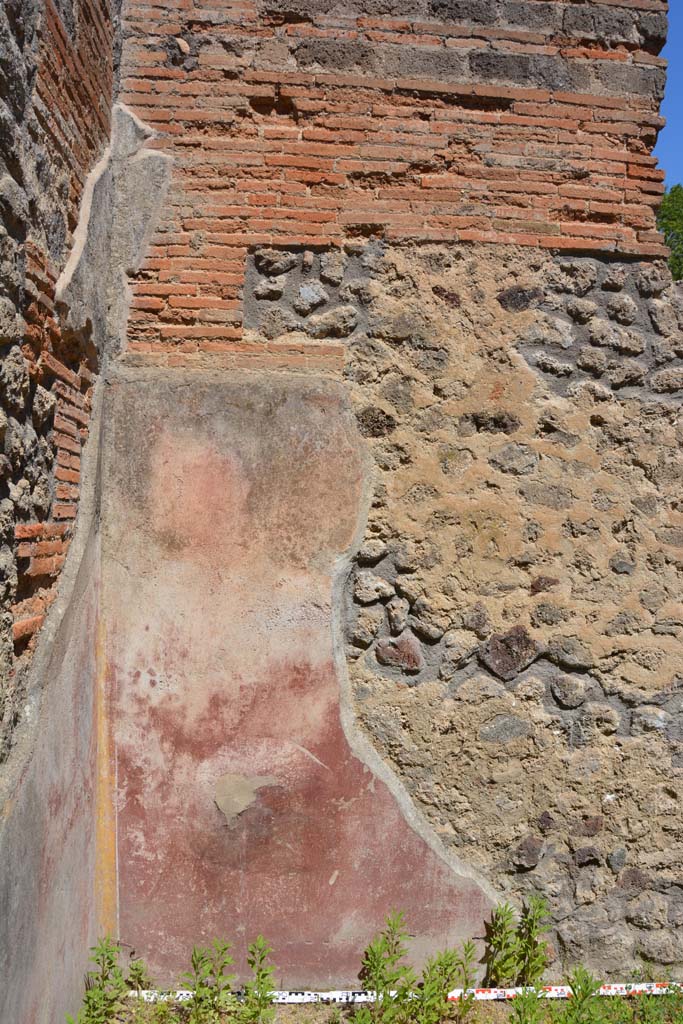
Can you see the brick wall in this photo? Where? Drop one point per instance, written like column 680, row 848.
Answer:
column 518, row 122
column 55, row 123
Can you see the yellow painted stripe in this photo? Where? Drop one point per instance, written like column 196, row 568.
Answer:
column 106, row 896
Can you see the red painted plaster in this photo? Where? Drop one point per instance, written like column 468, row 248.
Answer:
column 221, row 662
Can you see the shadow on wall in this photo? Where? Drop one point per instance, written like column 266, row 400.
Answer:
column 48, row 797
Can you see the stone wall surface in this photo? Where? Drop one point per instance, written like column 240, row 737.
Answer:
column 451, row 208
column 392, row 472
column 56, row 86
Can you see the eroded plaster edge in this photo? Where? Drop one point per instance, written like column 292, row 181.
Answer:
column 359, row 743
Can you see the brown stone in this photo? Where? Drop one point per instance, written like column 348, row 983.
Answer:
column 508, row 654
column 402, row 652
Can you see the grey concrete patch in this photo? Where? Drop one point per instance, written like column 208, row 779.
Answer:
column 120, row 209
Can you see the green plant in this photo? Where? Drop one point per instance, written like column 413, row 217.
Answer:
column 138, row 977
column 515, row 953
column 532, row 950
column 670, row 223
column 257, row 1006
column 583, row 1006
column 650, row 1009
column 105, row 987
column 501, row 948
column 209, row 983
column 528, row 1007
column 385, row 973
column 439, row 977
column 466, row 978
column 162, row 1012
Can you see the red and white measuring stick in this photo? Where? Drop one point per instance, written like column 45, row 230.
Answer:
column 348, row 997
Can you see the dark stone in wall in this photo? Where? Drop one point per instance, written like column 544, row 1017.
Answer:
column 597, row 23
column 616, row 324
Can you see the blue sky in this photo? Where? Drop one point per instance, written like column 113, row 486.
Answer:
column 670, row 145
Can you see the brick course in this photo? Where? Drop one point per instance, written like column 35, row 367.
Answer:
column 293, row 126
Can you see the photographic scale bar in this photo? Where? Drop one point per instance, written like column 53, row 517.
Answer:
column 350, row 997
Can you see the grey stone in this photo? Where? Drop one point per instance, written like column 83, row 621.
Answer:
column 648, row 719
column 568, row 691
column 370, row 588
column 455, row 657
column 624, row 624
column 546, row 613
column 397, row 611
column 14, row 381
column 569, row 653
column 274, row 262
column 270, row 288
column 527, row 853
column 333, row 266
column 547, row 495
column 478, row 621
column 518, row 459
column 616, row 859
column 648, row 910
column 44, row 403
column 623, row 309
column 371, row 552
column 621, row 565
column 504, row 729
column 581, row 310
column 310, row 296
column 335, row 323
